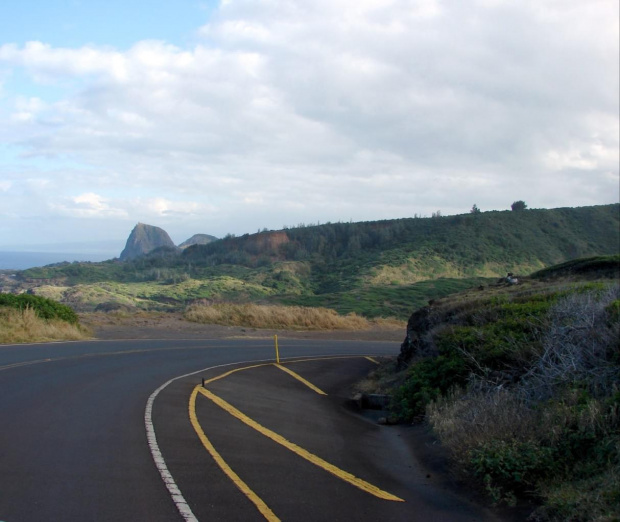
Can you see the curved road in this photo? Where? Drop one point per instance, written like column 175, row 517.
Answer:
column 73, row 442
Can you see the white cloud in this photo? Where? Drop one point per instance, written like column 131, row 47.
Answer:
column 37, row 184
column 27, row 109
column 327, row 110
column 87, row 205
column 158, row 207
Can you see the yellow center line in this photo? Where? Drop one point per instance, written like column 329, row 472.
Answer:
column 310, row 457
column 207, row 381
column 301, row 379
column 371, row 359
column 235, row 371
column 253, row 497
column 331, row 358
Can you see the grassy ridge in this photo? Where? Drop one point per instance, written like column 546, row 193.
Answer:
column 484, row 244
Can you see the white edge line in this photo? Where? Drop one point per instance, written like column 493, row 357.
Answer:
column 177, row 497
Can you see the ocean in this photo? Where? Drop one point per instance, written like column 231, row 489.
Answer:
column 23, row 260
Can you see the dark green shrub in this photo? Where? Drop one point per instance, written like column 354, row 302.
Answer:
column 43, row 307
column 511, row 467
column 429, row 379
column 613, row 311
column 589, row 441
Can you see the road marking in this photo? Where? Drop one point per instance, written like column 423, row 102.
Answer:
column 247, row 491
column 160, row 463
column 27, row 363
column 301, row 379
column 371, row 360
column 235, row 371
column 296, row 360
column 327, row 358
column 224, row 375
column 156, row 454
column 98, row 354
column 310, row 457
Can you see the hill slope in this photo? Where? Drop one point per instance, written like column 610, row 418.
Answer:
column 372, row 268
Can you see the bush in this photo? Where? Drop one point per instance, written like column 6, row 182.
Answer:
column 593, row 499
column 468, row 419
column 427, row 380
column 510, row 467
column 554, row 427
column 518, row 206
column 25, row 326
column 581, row 345
column 43, row 307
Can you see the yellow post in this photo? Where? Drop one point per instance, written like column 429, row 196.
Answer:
column 277, row 353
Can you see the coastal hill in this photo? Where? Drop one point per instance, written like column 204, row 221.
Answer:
column 379, row 268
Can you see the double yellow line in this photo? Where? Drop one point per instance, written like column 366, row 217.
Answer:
column 310, row 457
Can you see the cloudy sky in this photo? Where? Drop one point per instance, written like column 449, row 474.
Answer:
column 231, row 116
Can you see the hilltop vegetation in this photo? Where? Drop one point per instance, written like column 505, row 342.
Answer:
column 522, row 384
column 382, row 268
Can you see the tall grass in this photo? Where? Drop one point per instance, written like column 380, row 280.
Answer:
column 23, row 326
column 282, row 317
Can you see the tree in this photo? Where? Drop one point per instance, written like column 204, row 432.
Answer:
column 518, row 206
column 474, row 209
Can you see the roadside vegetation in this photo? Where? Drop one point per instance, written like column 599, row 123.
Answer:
column 28, row 318
column 522, row 384
column 283, row 317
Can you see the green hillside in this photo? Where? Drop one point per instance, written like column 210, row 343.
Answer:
column 373, row 268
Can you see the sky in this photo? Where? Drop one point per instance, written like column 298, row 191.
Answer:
column 232, row 116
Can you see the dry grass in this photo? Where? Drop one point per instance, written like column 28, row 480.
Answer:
column 282, row 317
column 465, row 420
column 24, row 326
column 388, row 323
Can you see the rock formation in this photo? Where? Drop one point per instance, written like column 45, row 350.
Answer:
column 418, row 327
column 198, row 239
column 144, row 239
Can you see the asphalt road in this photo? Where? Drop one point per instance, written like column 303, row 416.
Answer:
column 74, row 446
